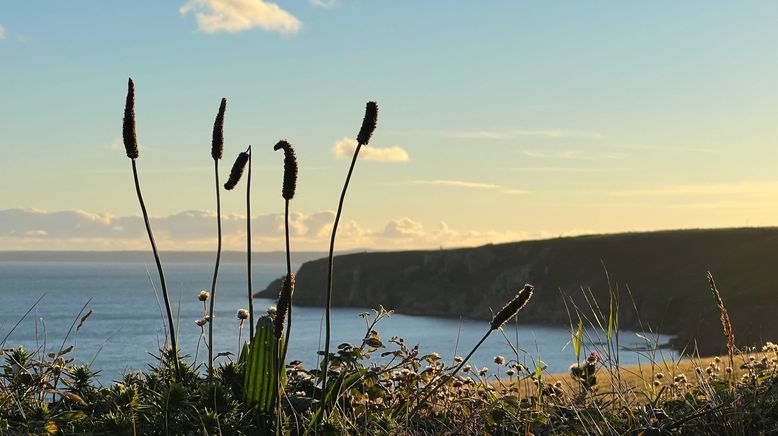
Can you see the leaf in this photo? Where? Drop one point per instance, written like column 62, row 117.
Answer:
column 70, row 415
column 578, row 341
column 73, row 397
column 260, row 377
column 51, row 427
column 373, row 343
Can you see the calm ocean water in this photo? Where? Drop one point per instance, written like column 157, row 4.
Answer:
column 126, row 324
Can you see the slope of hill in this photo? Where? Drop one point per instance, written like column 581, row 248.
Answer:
column 664, row 272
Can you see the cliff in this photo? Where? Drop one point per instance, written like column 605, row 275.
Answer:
column 659, row 276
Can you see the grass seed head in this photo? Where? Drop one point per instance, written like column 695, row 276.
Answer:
column 368, row 123
column 512, row 308
column 128, row 127
column 284, row 300
column 237, row 170
column 217, row 145
column 290, row 168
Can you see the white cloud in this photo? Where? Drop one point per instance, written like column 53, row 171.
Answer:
column 470, row 185
column 237, row 15
column 344, row 149
column 2, row 32
column 31, row 229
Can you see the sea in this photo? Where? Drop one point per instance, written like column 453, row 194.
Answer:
column 42, row 303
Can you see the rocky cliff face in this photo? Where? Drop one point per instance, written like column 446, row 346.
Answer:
column 661, row 274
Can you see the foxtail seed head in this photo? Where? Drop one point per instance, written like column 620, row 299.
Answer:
column 128, row 127
column 368, row 123
column 282, row 306
column 290, row 168
column 512, row 308
column 237, row 170
column 217, row 145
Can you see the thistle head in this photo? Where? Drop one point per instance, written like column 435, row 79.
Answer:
column 368, row 123
column 128, row 127
column 217, row 145
column 290, row 168
column 237, row 170
column 203, row 296
column 242, row 314
column 282, row 306
column 512, row 308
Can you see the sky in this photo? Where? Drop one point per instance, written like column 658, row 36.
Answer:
column 499, row 121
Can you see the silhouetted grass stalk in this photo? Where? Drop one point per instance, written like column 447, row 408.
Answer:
column 131, row 146
column 217, row 148
column 365, row 132
column 243, row 159
column 506, row 313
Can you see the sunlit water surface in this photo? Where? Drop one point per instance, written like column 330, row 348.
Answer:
column 126, row 324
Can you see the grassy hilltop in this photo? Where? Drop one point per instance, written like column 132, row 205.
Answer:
column 664, row 272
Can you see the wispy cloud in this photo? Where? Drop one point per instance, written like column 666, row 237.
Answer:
column 237, row 15
column 344, row 149
column 31, row 229
column 471, row 185
column 512, row 134
column 671, row 148
column 573, row 155
column 2, row 32
column 752, row 189
column 325, row 3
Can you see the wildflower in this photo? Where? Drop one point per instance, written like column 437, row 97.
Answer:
column 510, row 372
column 208, row 318
column 271, row 310
column 593, row 358
column 659, row 376
column 458, row 359
column 558, row 384
column 242, row 314
column 657, row 383
column 200, row 322
column 499, row 360
column 483, row 371
column 466, row 368
column 203, row 296
column 728, row 370
column 456, row 384
column 717, row 359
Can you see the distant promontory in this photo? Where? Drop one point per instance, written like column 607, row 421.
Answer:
column 659, row 277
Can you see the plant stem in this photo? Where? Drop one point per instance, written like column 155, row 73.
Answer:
column 328, row 309
column 215, row 269
column 445, row 379
column 248, row 249
column 288, row 277
column 168, row 311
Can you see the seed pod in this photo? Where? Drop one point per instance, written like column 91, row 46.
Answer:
column 282, row 306
column 368, row 123
column 128, row 127
column 512, row 308
column 237, row 170
column 217, row 145
column 290, row 168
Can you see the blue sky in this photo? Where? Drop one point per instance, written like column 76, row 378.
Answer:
column 499, row 120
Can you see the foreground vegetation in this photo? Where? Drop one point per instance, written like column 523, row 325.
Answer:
column 49, row 393
column 378, row 385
